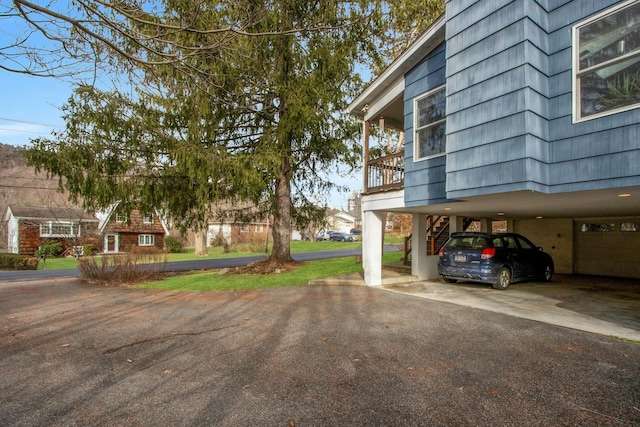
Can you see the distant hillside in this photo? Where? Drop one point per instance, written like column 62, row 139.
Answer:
column 11, row 156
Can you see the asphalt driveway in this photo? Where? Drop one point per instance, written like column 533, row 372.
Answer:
column 74, row 354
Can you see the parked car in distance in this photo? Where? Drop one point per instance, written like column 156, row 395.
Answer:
column 337, row 236
column 497, row 259
column 323, row 234
column 356, row 231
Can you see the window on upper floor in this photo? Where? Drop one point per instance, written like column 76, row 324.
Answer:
column 430, row 124
column 606, row 62
column 147, row 218
column 120, row 217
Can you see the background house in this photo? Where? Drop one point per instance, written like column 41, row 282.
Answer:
column 120, row 231
column 233, row 232
column 29, row 227
column 339, row 220
column 519, row 113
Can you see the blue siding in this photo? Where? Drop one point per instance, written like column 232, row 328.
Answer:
column 509, row 106
column 507, row 67
column 424, row 181
column 503, row 54
column 598, row 153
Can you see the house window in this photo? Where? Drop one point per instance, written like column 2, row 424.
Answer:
column 147, row 218
column 597, row 227
column 146, row 240
column 120, row 217
column 430, row 124
column 259, row 228
column 244, row 228
column 630, row 226
column 59, row 229
column 606, row 62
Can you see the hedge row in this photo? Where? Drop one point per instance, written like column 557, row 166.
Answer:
column 18, row 262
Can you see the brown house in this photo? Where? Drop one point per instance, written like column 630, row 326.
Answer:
column 120, row 232
column 29, row 227
column 250, row 232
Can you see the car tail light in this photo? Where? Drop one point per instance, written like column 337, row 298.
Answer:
column 441, row 251
column 488, row 253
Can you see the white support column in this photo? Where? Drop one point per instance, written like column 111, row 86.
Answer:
column 372, row 247
column 423, row 266
column 456, row 224
column 419, row 245
column 510, row 225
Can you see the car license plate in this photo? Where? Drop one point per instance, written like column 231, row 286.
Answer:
column 459, row 258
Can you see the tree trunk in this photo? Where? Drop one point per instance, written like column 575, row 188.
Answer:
column 201, row 243
column 282, row 219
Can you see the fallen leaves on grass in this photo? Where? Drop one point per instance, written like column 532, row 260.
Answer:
column 267, row 266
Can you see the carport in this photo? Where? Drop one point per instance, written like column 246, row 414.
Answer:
column 602, row 305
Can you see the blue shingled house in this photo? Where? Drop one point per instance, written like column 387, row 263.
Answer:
column 522, row 113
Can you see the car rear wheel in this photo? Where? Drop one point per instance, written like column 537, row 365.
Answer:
column 548, row 272
column 504, row 279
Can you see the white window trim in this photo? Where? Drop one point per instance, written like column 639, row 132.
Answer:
column 416, row 157
column 146, row 240
column 147, row 218
column 245, row 228
column 116, row 245
column 50, row 224
column 575, row 69
column 121, row 217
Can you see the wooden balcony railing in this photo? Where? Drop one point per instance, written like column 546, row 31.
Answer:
column 385, row 173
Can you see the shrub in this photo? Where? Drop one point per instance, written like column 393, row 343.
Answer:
column 53, row 248
column 172, row 245
column 219, row 240
column 18, row 262
column 137, row 265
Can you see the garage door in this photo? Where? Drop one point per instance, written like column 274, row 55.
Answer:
column 609, row 247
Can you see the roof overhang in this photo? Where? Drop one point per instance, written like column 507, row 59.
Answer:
column 384, row 96
column 612, row 202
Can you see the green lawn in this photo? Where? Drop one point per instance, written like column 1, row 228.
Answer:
column 57, row 264
column 214, row 281
column 248, row 250
column 236, row 251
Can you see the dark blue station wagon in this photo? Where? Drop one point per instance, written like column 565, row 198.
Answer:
column 497, row 259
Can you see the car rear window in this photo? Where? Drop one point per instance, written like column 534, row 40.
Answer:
column 468, row 242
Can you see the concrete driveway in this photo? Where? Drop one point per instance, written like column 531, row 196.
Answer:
column 602, row 305
column 78, row 355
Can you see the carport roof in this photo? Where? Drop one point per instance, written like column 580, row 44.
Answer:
column 613, row 202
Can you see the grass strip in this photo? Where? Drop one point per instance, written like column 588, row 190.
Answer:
column 214, row 281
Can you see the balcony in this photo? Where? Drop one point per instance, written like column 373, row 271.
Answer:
column 385, row 173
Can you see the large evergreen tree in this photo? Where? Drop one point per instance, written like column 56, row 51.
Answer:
column 249, row 111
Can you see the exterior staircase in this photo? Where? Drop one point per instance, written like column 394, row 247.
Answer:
column 437, row 235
